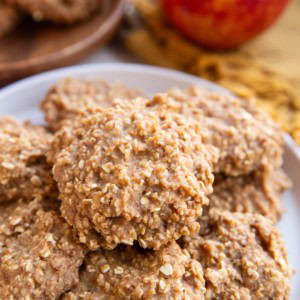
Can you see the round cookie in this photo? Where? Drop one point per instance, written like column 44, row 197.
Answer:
column 58, row 11
column 128, row 273
column 243, row 257
column 247, row 138
column 39, row 259
column 136, row 171
column 259, row 192
column 71, row 97
column 24, row 172
column 17, row 216
column 9, row 18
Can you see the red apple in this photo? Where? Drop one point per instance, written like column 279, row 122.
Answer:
column 222, row 24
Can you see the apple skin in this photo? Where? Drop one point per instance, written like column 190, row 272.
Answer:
column 222, row 24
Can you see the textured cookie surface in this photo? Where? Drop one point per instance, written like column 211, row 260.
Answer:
column 247, row 138
column 243, row 257
column 71, row 97
column 24, row 172
column 259, row 192
column 136, row 171
column 17, row 216
column 128, row 273
column 39, row 259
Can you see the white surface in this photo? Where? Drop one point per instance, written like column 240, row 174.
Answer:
column 22, row 100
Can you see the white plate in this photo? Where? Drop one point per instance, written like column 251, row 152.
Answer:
column 22, row 100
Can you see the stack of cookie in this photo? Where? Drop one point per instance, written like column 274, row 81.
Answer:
column 173, row 197
column 59, row 12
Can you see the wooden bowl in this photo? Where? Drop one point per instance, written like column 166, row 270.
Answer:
column 36, row 47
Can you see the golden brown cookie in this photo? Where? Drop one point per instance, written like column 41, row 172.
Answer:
column 246, row 137
column 24, row 172
column 71, row 97
column 58, row 11
column 17, row 216
column 259, row 192
column 39, row 259
column 243, row 257
column 136, row 171
column 9, row 18
column 128, row 273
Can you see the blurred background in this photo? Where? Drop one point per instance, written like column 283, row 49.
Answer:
column 251, row 47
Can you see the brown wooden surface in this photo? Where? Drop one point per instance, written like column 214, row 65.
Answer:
column 279, row 47
column 35, row 47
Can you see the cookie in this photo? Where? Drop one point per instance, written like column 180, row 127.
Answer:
column 18, row 216
column 71, row 97
column 128, row 273
column 135, row 171
column 58, row 11
column 258, row 192
column 246, row 137
column 242, row 256
column 24, row 172
column 39, row 258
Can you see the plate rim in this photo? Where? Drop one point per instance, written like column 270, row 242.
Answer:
column 84, row 69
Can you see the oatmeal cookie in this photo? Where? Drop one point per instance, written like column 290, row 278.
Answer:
column 63, row 138
column 40, row 259
column 9, row 18
column 127, row 273
column 134, row 172
column 243, row 257
column 70, row 97
column 24, row 172
column 246, row 137
column 259, row 192
column 17, row 216
column 58, row 11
